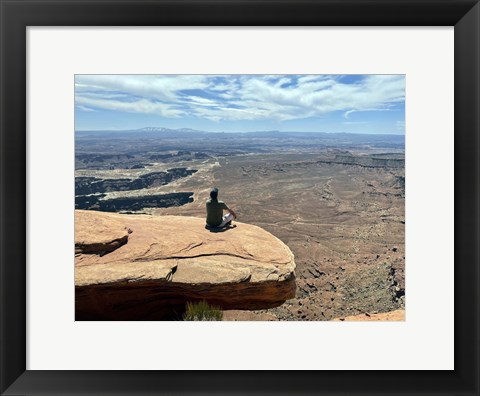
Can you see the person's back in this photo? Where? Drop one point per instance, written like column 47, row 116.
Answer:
column 215, row 212
column 215, row 209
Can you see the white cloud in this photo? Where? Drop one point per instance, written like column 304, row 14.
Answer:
column 84, row 108
column 162, row 87
column 347, row 113
column 139, row 106
column 239, row 97
column 198, row 100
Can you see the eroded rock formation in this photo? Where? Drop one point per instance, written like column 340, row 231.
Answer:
column 148, row 267
column 135, row 203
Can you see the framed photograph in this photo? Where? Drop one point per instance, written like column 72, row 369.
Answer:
column 288, row 230
column 239, row 197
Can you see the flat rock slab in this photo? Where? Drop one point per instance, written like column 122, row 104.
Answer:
column 141, row 267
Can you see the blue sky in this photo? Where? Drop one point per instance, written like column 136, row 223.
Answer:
column 242, row 103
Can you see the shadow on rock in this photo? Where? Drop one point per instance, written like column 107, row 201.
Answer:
column 218, row 229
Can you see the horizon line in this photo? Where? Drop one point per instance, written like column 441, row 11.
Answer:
column 254, row 131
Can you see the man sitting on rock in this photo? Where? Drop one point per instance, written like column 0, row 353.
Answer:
column 215, row 217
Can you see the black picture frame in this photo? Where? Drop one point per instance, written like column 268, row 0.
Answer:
column 16, row 15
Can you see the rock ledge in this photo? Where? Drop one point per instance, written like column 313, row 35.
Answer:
column 135, row 267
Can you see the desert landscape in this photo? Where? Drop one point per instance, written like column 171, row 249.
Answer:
column 336, row 200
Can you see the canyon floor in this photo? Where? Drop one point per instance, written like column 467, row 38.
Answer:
column 344, row 223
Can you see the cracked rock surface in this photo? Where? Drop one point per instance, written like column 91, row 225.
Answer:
column 148, row 267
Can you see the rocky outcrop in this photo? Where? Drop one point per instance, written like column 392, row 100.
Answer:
column 369, row 161
column 392, row 316
column 93, row 185
column 133, row 203
column 148, row 267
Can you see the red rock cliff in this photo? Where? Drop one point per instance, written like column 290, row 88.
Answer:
column 147, row 267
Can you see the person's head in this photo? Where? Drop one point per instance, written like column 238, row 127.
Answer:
column 214, row 193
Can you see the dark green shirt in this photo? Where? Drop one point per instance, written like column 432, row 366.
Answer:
column 215, row 212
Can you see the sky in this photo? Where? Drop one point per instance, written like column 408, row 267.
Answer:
column 242, row 103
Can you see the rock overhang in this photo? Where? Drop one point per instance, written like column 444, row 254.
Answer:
column 176, row 259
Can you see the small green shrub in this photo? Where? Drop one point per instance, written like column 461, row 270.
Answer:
column 202, row 311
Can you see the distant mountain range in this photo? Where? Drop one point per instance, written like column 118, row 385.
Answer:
column 168, row 130
column 273, row 133
column 247, row 141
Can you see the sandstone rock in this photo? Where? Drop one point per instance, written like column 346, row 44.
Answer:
column 108, row 235
column 393, row 316
column 148, row 267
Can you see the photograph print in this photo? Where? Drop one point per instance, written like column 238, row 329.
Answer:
column 240, row 197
